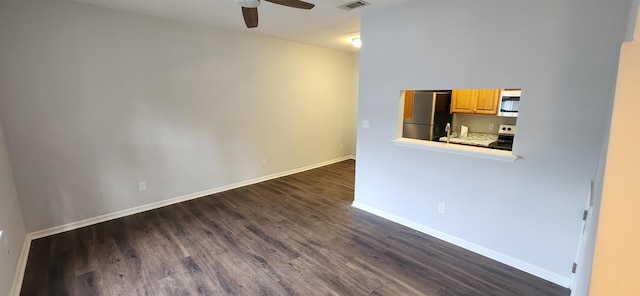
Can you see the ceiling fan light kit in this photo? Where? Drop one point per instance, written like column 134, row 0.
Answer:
column 248, row 3
column 250, row 8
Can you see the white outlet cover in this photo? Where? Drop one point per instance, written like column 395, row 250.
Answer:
column 441, row 208
column 365, row 124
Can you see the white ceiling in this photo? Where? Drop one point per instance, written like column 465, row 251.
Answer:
column 324, row 25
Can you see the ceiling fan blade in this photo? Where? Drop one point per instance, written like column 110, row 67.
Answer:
column 293, row 3
column 250, row 16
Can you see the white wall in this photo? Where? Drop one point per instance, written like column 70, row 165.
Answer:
column 11, row 223
column 564, row 56
column 94, row 100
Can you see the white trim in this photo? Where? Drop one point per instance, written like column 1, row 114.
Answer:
column 502, row 258
column 452, row 148
column 24, row 254
column 581, row 253
column 21, row 267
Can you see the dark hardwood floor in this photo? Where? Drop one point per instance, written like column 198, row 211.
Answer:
column 296, row 235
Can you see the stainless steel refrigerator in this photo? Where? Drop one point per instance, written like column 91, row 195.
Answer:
column 431, row 113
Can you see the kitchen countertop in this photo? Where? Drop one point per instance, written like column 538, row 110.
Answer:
column 474, row 139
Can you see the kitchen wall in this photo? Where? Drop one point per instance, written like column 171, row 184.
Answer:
column 480, row 123
column 563, row 53
column 95, row 100
column 11, row 223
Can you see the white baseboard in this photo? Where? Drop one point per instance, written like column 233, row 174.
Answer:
column 22, row 261
column 502, row 258
column 21, row 267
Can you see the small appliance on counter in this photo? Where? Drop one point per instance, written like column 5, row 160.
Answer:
column 464, row 131
column 505, row 137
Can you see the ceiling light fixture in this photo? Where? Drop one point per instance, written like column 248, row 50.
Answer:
column 357, row 42
column 248, row 3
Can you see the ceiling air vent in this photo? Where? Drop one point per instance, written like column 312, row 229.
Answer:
column 353, row 5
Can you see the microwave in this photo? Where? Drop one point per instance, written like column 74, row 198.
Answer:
column 509, row 103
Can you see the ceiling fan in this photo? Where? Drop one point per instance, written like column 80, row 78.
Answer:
column 250, row 8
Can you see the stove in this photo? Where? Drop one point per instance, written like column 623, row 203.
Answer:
column 505, row 137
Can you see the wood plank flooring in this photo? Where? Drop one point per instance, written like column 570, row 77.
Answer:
column 296, row 235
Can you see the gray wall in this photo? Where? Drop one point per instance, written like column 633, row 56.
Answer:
column 563, row 53
column 11, row 222
column 95, row 100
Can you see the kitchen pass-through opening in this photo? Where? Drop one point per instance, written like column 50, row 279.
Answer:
column 484, row 118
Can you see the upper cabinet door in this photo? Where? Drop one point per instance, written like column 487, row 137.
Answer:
column 463, row 100
column 475, row 101
column 487, row 102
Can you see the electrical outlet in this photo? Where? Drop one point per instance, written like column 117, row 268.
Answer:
column 341, row 146
column 264, row 162
column 142, row 186
column 365, row 124
column 490, row 126
column 441, row 208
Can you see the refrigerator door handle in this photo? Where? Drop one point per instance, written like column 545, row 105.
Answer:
column 433, row 110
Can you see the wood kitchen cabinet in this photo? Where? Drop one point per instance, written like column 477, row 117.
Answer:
column 408, row 103
column 488, row 101
column 463, row 100
column 475, row 101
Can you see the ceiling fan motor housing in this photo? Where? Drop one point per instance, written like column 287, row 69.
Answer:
column 248, row 3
